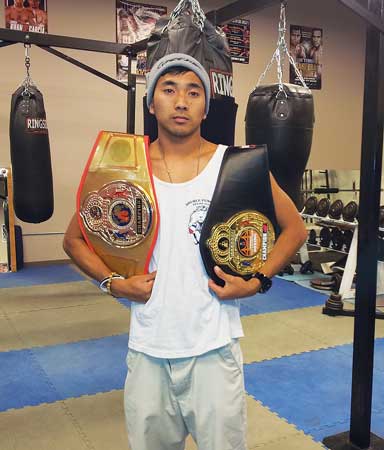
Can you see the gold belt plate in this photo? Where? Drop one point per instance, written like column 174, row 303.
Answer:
column 243, row 243
column 116, row 205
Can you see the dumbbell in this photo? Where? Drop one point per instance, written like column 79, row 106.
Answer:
column 336, row 209
column 312, row 237
column 350, row 211
column 310, row 206
column 289, row 270
column 307, row 267
column 323, row 207
column 347, row 238
column 337, row 239
column 325, row 237
column 381, row 216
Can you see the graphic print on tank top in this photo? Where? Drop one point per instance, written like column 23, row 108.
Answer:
column 198, row 211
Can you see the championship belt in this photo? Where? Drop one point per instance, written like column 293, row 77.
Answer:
column 240, row 227
column 116, row 203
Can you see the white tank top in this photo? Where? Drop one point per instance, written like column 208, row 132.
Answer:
column 183, row 317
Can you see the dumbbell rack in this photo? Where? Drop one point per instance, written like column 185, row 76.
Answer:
column 345, row 290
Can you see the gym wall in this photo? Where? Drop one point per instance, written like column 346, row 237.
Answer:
column 79, row 104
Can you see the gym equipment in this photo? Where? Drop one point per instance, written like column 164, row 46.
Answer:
column 288, row 270
column 381, row 216
column 325, row 237
column 307, row 267
column 347, row 237
column 312, row 237
column 310, row 206
column 188, row 31
column 337, row 239
column 281, row 116
column 336, row 209
column 350, row 211
column 327, row 284
column 323, row 207
column 30, row 153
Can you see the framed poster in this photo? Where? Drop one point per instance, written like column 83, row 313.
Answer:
column 28, row 15
column 306, row 48
column 134, row 22
column 238, row 36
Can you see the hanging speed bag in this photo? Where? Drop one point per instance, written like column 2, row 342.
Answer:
column 218, row 127
column 30, row 156
column 285, row 124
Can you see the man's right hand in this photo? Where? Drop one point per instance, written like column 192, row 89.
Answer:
column 137, row 288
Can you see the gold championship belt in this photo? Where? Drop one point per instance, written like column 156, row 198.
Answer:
column 243, row 242
column 240, row 227
column 116, row 203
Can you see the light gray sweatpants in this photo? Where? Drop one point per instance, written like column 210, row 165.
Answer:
column 166, row 399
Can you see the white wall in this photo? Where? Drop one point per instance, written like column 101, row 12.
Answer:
column 78, row 104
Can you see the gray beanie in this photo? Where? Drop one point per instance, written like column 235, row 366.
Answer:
column 177, row 60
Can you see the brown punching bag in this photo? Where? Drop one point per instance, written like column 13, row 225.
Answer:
column 284, row 122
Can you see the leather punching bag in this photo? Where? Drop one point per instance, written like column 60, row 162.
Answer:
column 30, row 156
column 285, row 125
column 188, row 31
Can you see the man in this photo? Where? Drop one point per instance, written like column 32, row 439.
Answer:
column 316, row 52
column 39, row 19
column 17, row 17
column 297, row 49
column 185, row 371
column 128, row 27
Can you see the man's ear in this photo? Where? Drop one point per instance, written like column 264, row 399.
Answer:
column 151, row 109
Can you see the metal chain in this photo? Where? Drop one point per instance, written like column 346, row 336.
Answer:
column 198, row 16
column 280, row 53
column 28, row 80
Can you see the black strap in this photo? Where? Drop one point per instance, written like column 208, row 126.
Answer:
column 243, row 184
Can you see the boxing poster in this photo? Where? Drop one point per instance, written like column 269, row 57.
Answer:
column 134, row 22
column 238, row 36
column 306, row 48
column 26, row 15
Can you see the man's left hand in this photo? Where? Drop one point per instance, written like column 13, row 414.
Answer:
column 235, row 287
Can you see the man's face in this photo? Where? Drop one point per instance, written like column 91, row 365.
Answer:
column 19, row 3
column 179, row 103
column 316, row 38
column 295, row 37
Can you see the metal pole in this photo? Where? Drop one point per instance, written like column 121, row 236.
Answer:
column 360, row 436
column 131, row 98
column 370, row 184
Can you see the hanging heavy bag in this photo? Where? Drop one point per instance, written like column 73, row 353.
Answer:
column 281, row 116
column 285, row 124
column 188, row 31
column 30, row 155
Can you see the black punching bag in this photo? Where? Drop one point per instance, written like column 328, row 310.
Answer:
column 30, row 156
column 285, row 124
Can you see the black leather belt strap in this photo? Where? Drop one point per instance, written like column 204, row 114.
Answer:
column 243, row 186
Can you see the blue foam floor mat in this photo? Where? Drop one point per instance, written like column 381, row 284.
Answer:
column 22, row 381
column 310, row 390
column 48, row 374
column 283, row 295
column 36, row 275
column 313, row 390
